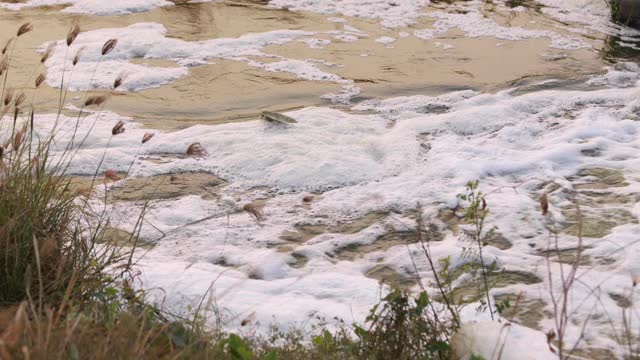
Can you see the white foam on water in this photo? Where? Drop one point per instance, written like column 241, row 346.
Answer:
column 593, row 13
column 385, row 40
column 619, row 75
column 96, row 7
column 149, row 41
column 443, row 46
column 337, row 20
column 473, row 21
column 316, row 43
column 391, row 14
column 500, row 340
column 591, row 17
column 474, row 24
column 347, row 92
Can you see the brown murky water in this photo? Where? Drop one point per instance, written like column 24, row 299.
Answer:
column 230, row 90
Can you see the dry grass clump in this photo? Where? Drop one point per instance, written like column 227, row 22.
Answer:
column 130, row 334
column 46, row 241
column 55, row 274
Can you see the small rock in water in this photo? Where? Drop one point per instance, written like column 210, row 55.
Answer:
column 274, row 117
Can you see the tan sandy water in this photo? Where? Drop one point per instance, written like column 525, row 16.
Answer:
column 230, row 90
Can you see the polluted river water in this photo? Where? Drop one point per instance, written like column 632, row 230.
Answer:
column 397, row 105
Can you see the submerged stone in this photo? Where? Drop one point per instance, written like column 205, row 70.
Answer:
column 602, row 208
column 526, row 312
column 567, row 256
column 388, row 276
column 621, row 300
column 299, row 260
column 168, row 186
column 498, row 240
column 596, row 225
column 119, row 237
column 600, row 178
column 306, row 232
column 473, row 290
column 384, row 242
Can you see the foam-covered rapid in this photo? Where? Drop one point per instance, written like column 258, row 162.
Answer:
column 339, row 189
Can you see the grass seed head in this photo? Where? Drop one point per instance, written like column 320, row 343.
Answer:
column 18, row 138
column 76, row 58
column 48, row 247
column 40, row 79
column 8, row 96
column 118, row 128
column 35, row 166
column 4, row 65
column 14, row 332
column 96, row 100
column 47, row 53
column 147, row 136
column 111, row 175
column 197, row 150
column 24, row 28
column 544, row 204
column 254, row 210
column 73, row 34
column 20, row 99
column 3, row 175
column 119, row 80
column 108, row 46
column 6, row 46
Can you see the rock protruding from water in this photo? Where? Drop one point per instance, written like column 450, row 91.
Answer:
column 274, row 117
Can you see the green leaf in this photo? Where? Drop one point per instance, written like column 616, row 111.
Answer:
column 422, row 301
column 317, row 340
column 360, row 332
column 238, row 349
column 272, row 355
column 73, row 352
column 439, row 346
column 111, row 291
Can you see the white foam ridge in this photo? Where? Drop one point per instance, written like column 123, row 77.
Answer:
column 391, row 14
column 148, row 41
column 474, row 24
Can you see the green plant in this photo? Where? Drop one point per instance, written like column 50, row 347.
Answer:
column 442, row 279
column 614, row 9
column 400, row 327
column 514, row 3
column 48, row 245
column 475, row 214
